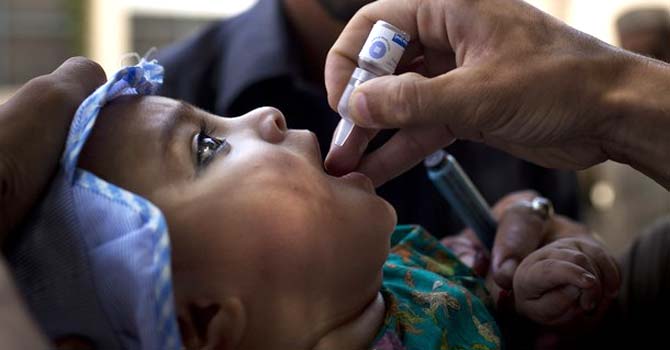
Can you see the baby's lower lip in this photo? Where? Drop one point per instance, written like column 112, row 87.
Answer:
column 360, row 180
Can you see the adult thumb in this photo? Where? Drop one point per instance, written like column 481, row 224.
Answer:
column 407, row 100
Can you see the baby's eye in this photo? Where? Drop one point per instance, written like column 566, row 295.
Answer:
column 207, row 147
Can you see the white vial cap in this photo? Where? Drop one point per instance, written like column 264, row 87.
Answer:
column 383, row 49
column 380, row 56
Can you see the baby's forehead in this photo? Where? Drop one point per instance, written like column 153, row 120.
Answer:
column 139, row 113
column 150, row 105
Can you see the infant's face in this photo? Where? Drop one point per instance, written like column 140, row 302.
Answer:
column 255, row 215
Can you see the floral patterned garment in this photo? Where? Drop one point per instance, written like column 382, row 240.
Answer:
column 433, row 301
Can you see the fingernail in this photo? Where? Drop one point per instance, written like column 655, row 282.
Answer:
column 362, row 109
column 508, row 267
column 588, row 279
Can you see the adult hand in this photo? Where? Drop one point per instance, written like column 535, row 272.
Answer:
column 33, row 128
column 521, row 232
column 561, row 274
column 503, row 73
column 543, row 261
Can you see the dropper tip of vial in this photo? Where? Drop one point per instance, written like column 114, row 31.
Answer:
column 343, row 132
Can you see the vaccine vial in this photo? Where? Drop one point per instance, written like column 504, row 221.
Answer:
column 380, row 56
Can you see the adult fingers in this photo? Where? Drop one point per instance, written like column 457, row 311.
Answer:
column 42, row 108
column 520, row 232
column 412, row 100
column 346, row 158
column 80, row 73
column 395, row 101
column 69, row 84
column 403, row 151
column 343, row 56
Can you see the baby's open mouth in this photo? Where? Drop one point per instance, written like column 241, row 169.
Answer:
column 353, row 178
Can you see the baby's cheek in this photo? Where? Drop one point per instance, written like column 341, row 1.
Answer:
column 288, row 245
column 301, row 179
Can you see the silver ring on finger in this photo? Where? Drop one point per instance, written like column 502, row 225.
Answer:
column 540, row 206
column 543, row 207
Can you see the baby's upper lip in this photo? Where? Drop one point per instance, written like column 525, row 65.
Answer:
column 310, row 145
column 316, row 146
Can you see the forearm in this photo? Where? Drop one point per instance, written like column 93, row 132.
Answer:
column 639, row 105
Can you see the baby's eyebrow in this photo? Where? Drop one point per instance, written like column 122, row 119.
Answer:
column 182, row 113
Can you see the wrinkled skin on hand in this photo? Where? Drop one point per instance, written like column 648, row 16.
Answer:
column 561, row 275
column 503, row 73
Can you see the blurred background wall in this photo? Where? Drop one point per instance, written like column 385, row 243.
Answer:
column 37, row 35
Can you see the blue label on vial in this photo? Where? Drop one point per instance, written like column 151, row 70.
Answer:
column 378, row 49
column 398, row 39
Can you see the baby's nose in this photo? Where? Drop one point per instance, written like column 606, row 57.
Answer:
column 272, row 124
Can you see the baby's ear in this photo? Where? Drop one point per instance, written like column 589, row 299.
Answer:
column 210, row 325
